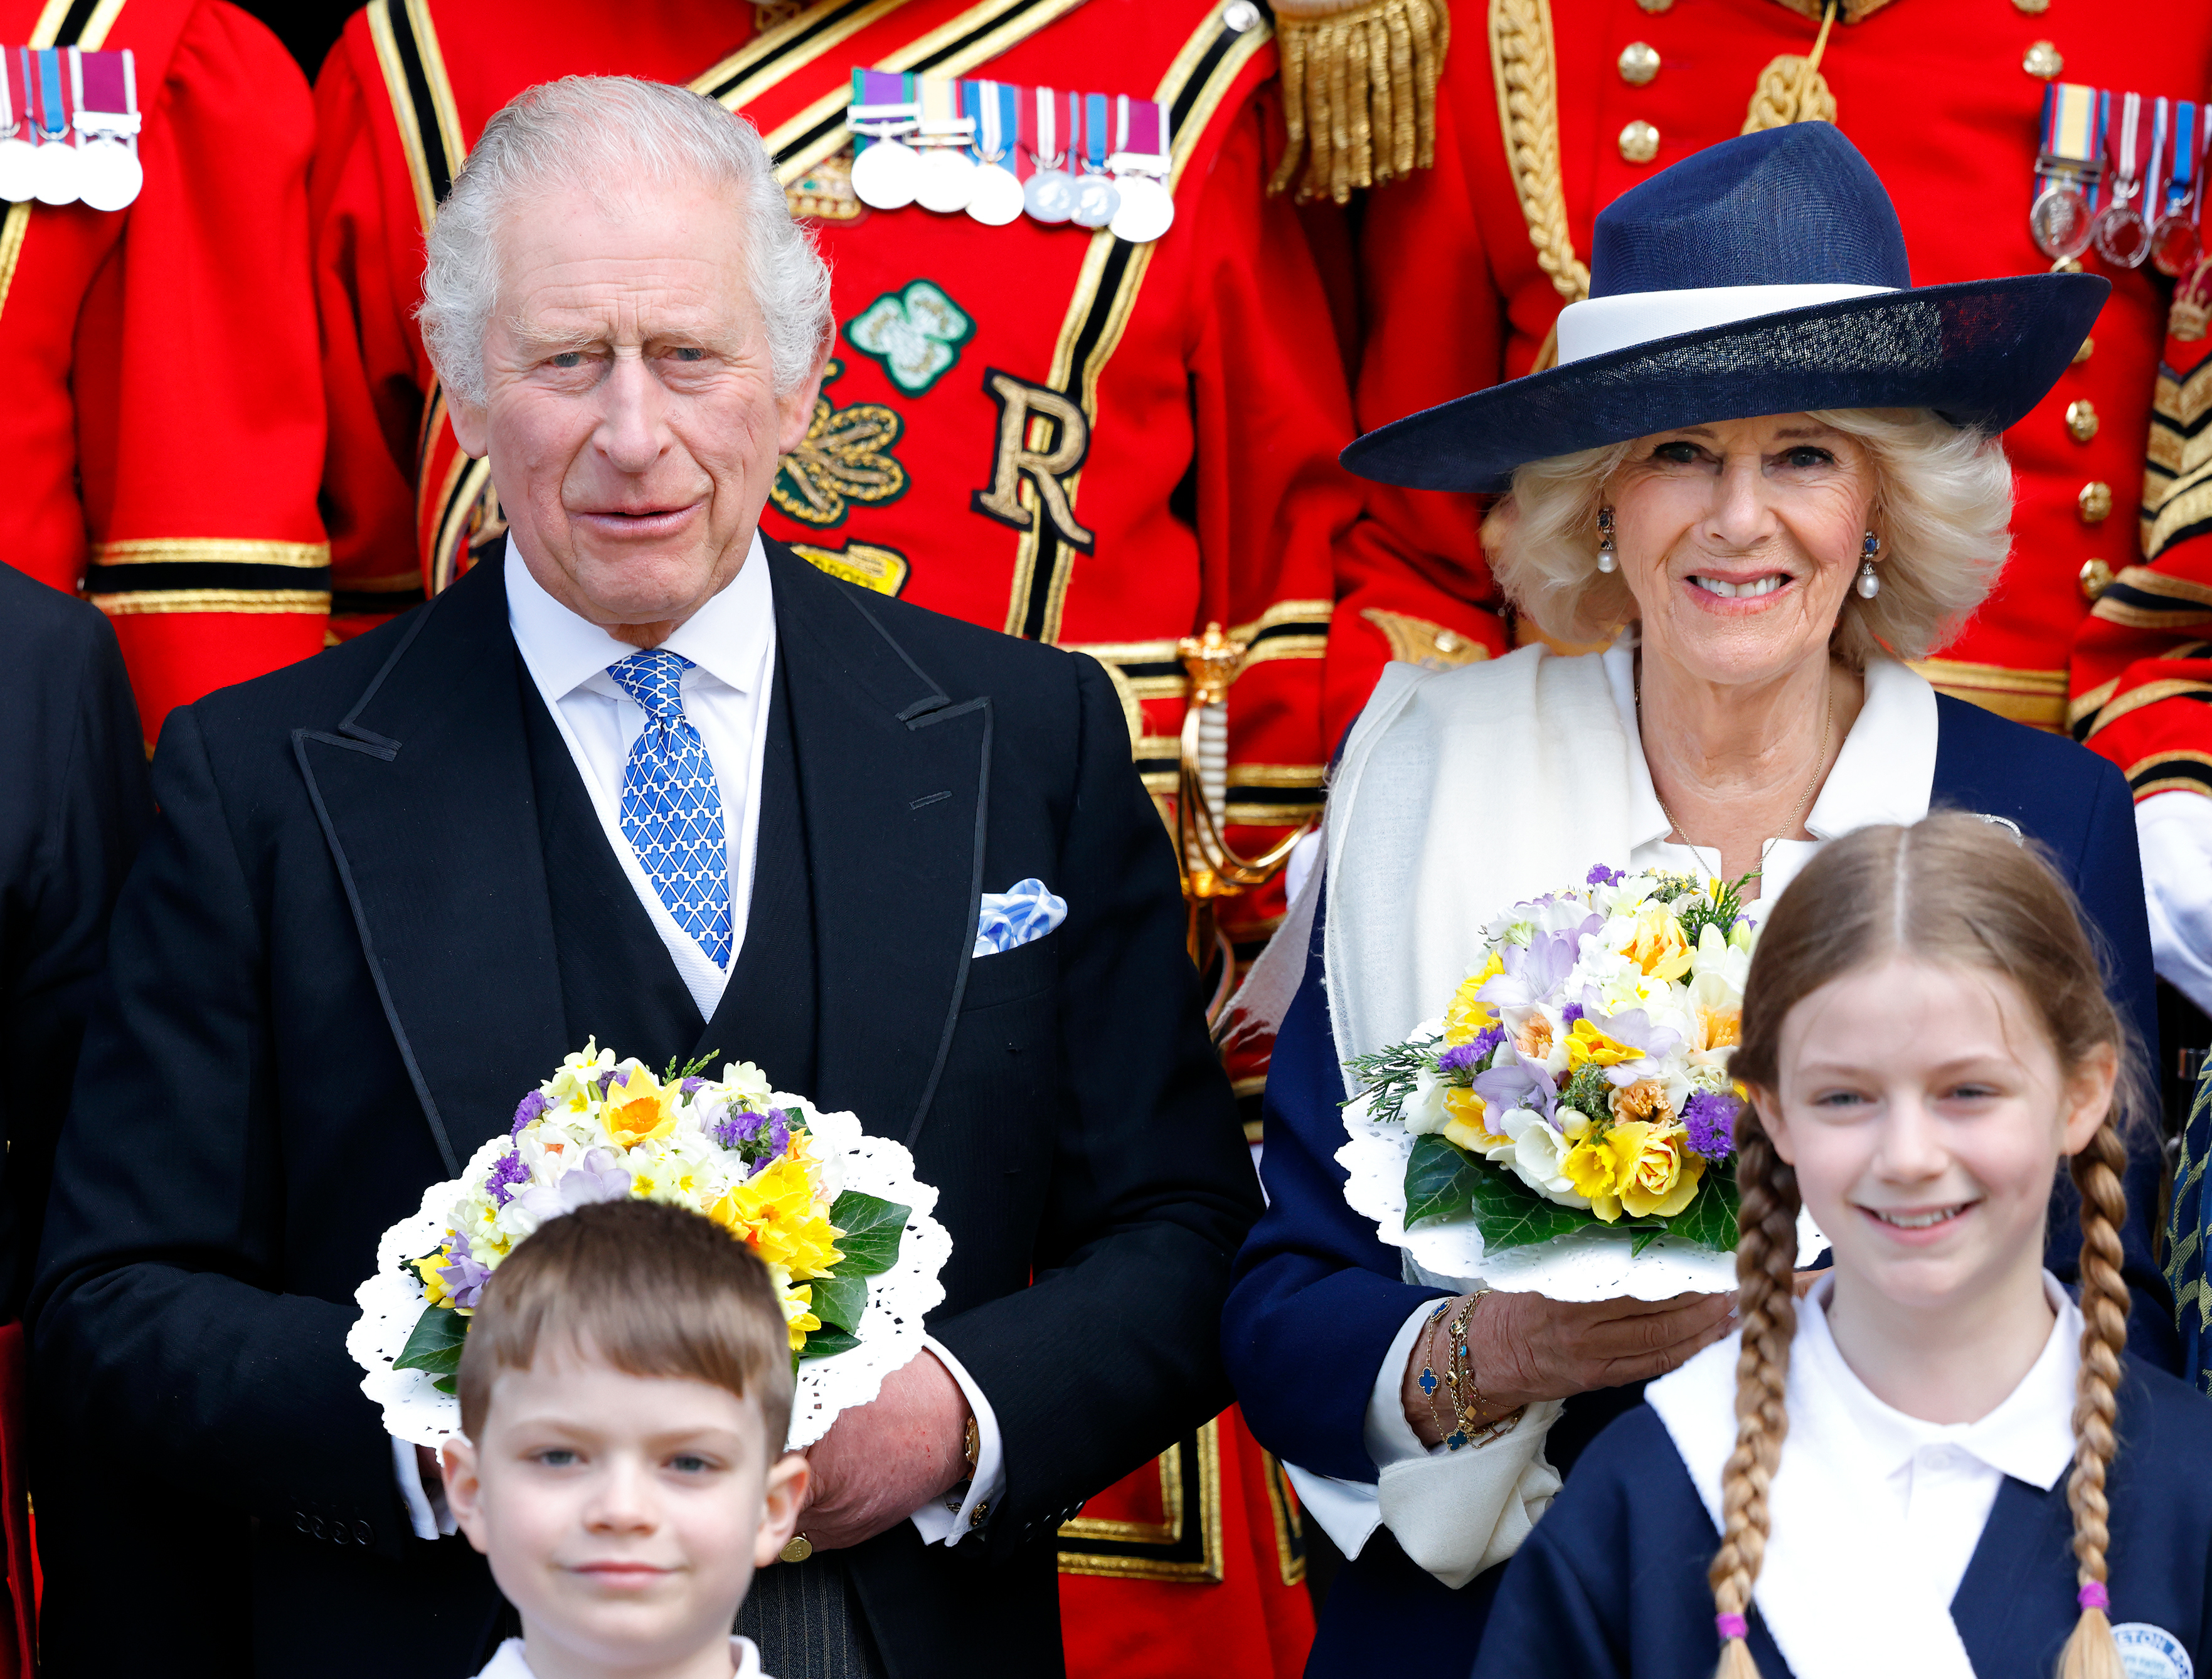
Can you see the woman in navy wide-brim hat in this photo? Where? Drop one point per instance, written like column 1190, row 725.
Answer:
column 1767, row 468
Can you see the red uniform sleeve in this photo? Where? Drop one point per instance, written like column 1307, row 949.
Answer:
column 199, row 415
column 2141, row 671
column 1411, row 580
column 372, row 357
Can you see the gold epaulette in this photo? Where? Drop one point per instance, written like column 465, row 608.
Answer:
column 1359, row 91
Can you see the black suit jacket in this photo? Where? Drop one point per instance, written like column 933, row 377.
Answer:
column 73, row 807
column 334, row 975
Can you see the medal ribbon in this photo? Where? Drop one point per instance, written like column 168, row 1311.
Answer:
column 1139, row 124
column 2181, row 177
column 2071, row 127
column 105, row 85
column 881, row 107
column 10, row 104
column 995, row 108
column 1040, row 128
column 1094, row 133
column 53, row 113
column 2129, row 148
column 939, row 100
column 2161, row 111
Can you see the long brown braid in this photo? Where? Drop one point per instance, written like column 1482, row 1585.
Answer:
column 1957, row 891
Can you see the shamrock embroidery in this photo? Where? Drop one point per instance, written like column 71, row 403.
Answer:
column 916, row 334
column 846, row 457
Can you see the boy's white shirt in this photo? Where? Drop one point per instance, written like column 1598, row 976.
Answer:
column 508, row 1663
column 1869, row 1505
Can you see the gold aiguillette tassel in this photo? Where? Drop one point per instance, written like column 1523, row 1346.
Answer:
column 1359, row 91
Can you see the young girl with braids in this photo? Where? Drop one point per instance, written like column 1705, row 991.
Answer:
column 1935, row 1463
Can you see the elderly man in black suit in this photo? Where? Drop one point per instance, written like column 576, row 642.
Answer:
column 652, row 777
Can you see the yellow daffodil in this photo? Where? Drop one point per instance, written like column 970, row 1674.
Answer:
column 638, row 1106
column 1469, row 1124
column 798, row 1317
column 773, row 1214
column 1598, row 1165
column 1586, row 1043
column 434, row 1285
column 1468, row 1015
column 1662, row 1173
column 1657, row 945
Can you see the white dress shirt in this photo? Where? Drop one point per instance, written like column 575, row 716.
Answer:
column 509, row 1663
column 731, row 642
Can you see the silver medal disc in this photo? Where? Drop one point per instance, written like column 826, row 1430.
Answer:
column 55, row 174
column 2173, row 245
column 1050, row 197
column 997, row 198
column 884, row 176
column 2059, row 223
column 1097, row 199
column 1147, row 211
column 19, row 176
column 945, row 180
column 110, row 175
column 2123, row 236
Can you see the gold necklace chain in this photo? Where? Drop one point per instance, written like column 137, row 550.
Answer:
column 1797, row 817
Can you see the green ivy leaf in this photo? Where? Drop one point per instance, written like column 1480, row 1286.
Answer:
column 872, row 1227
column 825, row 1342
column 1511, row 1215
column 1440, row 1178
column 1710, row 1219
column 840, row 1300
column 435, row 1344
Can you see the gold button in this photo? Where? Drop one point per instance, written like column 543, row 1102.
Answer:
column 798, row 1549
column 2043, row 61
column 2081, row 420
column 1656, row 6
column 1640, row 62
column 2032, row 8
column 1447, row 642
column 2096, row 577
column 1639, row 142
column 2088, row 348
column 2095, row 501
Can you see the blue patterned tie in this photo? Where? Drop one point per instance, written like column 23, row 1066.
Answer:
column 671, row 811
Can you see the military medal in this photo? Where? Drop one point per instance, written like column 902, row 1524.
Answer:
column 2173, row 241
column 17, row 179
column 885, row 169
column 995, row 109
column 1049, row 195
column 1139, row 165
column 1097, row 197
column 2069, row 162
column 54, row 173
column 946, row 178
column 106, row 89
column 2122, row 236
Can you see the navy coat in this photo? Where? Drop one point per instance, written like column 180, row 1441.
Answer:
column 1317, row 1297
column 1612, row 1584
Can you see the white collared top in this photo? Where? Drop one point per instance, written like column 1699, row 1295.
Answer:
column 510, row 1663
column 731, row 642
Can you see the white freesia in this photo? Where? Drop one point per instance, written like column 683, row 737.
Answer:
column 1540, row 1155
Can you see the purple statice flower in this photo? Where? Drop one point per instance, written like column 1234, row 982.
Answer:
column 1461, row 1057
column 779, row 1130
column 1710, row 1120
column 1570, row 1015
column 605, row 1079
column 734, row 1129
column 1602, row 875
column 527, row 1110
column 692, row 1087
column 506, row 1172
column 463, row 1274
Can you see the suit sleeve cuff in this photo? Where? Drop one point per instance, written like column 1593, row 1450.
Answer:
column 1389, row 1438
column 948, row 1520
column 426, row 1511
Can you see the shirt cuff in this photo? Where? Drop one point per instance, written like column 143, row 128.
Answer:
column 426, row 1510
column 2174, row 830
column 950, row 1519
column 1390, row 1439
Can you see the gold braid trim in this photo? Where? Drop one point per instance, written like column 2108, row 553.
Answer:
column 1521, row 69
column 1359, row 91
column 1791, row 89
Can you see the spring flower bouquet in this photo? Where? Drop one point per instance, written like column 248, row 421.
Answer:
column 837, row 1216
column 1567, row 1125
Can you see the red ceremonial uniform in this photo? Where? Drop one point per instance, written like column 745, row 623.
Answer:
column 1466, row 267
column 162, row 424
column 1047, row 431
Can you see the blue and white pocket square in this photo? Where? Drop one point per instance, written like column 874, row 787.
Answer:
column 1024, row 913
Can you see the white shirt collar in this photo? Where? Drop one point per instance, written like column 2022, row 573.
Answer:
column 2029, row 1436
column 508, row 1662
column 725, row 637
column 1886, row 772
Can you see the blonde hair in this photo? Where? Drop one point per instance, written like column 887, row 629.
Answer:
column 1956, row 890
column 650, row 1289
column 1943, row 507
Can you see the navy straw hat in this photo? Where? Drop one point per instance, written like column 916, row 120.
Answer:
column 1765, row 275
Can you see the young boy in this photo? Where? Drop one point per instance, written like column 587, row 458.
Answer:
column 625, row 1393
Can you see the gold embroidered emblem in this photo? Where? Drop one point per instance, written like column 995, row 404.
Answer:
column 1042, row 438
column 1431, row 645
column 825, row 191
column 871, row 567
column 846, row 457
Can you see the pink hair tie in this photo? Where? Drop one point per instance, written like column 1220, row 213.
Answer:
column 1731, row 1627
column 2093, row 1596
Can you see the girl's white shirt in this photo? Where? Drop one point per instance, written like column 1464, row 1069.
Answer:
column 509, row 1664
column 1874, row 1515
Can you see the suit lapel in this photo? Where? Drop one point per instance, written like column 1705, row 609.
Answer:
column 425, row 795
column 893, row 778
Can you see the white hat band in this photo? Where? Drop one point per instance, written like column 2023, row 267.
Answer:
column 1599, row 325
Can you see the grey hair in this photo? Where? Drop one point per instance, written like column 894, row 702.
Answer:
column 606, row 133
column 1943, row 507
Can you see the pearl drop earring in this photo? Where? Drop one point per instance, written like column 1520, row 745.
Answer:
column 1605, row 562
column 1869, row 581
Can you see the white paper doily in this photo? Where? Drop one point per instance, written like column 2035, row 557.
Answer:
column 1594, row 1264
column 890, row 1330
